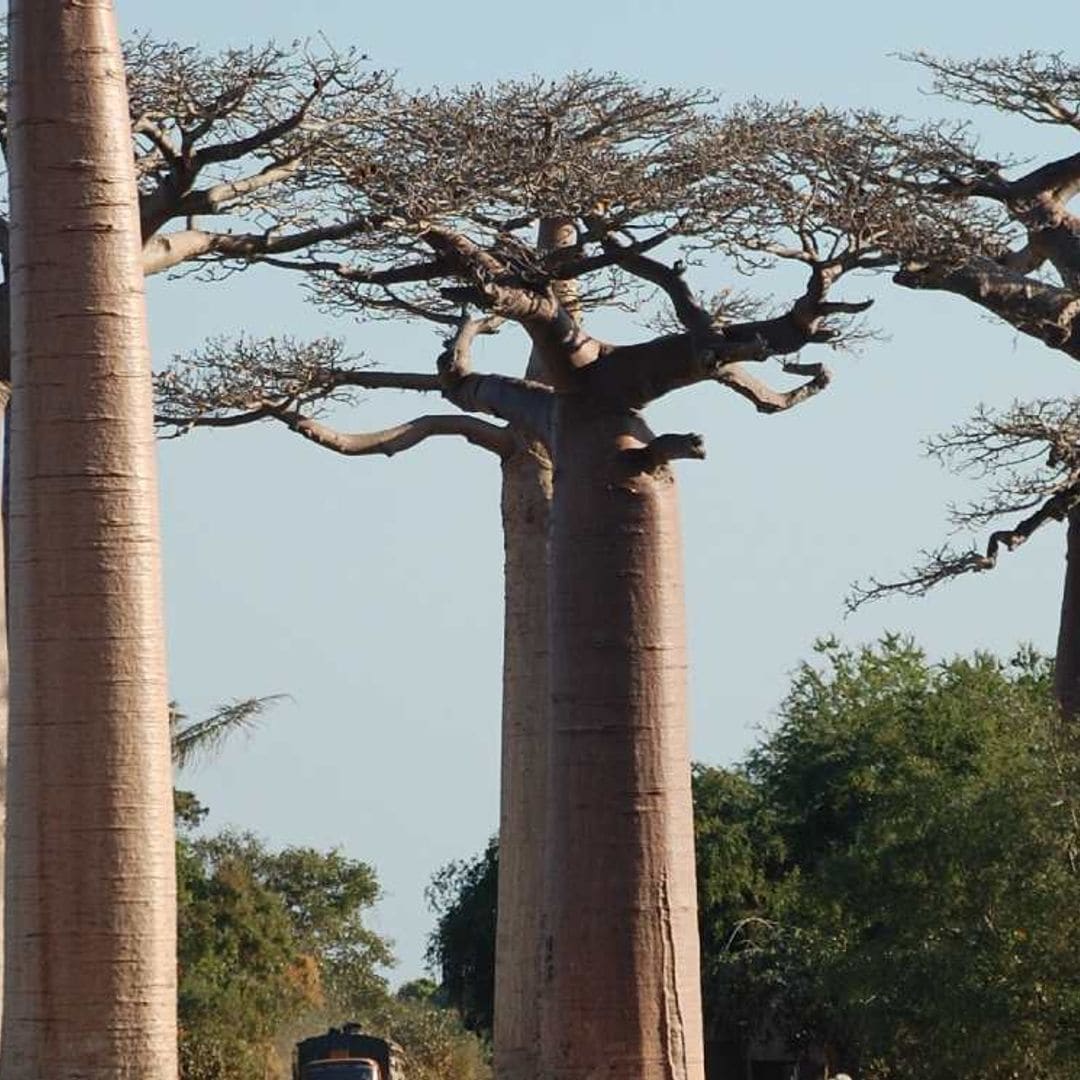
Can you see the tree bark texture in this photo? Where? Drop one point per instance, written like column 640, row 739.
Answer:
column 5, row 398
column 1067, row 663
column 621, row 993
column 90, row 983
column 526, row 498
column 526, row 728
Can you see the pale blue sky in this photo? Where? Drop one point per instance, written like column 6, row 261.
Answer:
column 370, row 590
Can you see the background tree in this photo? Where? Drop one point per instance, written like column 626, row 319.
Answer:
column 273, row 945
column 453, row 229
column 928, row 818
column 464, row 895
column 947, row 217
column 266, row 940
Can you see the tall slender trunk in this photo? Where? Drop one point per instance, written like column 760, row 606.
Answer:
column 621, row 959
column 526, row 505
column 1067, row 666
column 5, row 398
column 91, row 949
column 526, row 498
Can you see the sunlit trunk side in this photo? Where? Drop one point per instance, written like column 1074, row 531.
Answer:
column 526, row 503
column 526, row 497
column 621, row 988
column 1067, row 667
column 91, row 906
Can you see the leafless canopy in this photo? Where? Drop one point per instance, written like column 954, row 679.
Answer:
column 945, row 216
column 453, row 189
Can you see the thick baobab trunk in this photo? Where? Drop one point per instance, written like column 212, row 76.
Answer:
column 1067, row 666
column 620, row 963
column 91, row 951
column 526, row 498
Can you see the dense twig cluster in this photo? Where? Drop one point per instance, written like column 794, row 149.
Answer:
column 1042, row 87
column 941, row 213
column 452, row 189
column 1007, row 239
column 1030, row 456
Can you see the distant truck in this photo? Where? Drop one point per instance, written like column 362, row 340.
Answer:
column 346, row 1053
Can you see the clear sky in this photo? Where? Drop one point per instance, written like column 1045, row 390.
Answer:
column 370, row 590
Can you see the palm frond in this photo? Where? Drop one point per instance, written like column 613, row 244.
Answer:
column 197, row 740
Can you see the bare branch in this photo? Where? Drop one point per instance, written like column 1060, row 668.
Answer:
column 1043, row 311
column 945, row 563
column 213, row 200
column 523, row 404
column 693, row 316
column 404, row 436
column 1031, row 455
column 167, row 250
column 1042, row 87
column 663, row 450
column 767, row 400
column 238, row 381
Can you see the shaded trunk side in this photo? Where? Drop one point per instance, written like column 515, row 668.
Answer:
column 526, row 497
column 91, row 906
column 621, row 960
column 5, row 399
column 1067, row 666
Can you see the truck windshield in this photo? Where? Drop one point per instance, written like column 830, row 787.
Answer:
column 340, row 1070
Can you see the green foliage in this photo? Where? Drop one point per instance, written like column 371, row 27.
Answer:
column 436, row 1043
column 264, row 937
column 418, row 990
column 464, row 895
column 195, row 740
column 242, row 971
column 910, row 894
column 273, row 948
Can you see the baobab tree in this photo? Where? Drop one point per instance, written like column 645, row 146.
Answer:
column 453, row 197
column 1007, row 241
column 216, row 139
column 90, row 981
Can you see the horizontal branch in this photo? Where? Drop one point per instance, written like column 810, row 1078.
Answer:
column 632, row 376
column 1046, row 312
column 1058, row 178
column 401, row 437
column 163, row 251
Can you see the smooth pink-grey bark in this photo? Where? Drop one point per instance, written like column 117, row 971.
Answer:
column 90, row 981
